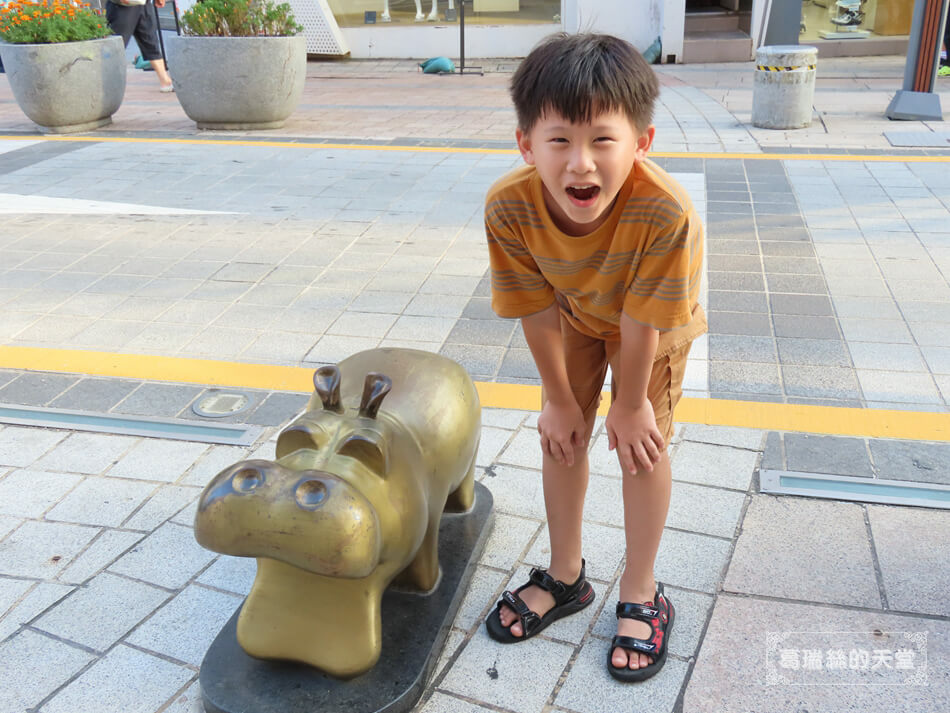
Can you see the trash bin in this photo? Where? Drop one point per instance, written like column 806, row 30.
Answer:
column 784, row 87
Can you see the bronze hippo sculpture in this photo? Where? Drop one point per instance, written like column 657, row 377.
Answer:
column 351, row 504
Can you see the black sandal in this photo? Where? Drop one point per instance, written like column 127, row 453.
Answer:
column 568, row 599
column 659, row 615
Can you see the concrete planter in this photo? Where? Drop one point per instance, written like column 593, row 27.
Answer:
column 67, row 86
column 238, row 83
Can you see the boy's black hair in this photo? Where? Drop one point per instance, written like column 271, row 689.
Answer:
column 579, row 76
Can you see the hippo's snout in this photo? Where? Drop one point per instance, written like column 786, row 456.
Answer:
column 308, row 518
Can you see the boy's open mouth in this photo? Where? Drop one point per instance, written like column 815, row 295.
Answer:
column 583, row 195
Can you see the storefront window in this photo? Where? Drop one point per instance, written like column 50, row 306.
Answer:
column 854, row 19
column 353, row 13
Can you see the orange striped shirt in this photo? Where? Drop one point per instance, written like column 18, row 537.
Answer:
column 645, row 260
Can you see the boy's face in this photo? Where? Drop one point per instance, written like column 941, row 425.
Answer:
column 583, row 166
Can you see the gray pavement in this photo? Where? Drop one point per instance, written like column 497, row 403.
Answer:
column 827, row 284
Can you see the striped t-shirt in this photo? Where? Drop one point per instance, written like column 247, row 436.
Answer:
column 645, row 260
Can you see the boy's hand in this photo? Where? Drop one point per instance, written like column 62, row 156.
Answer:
column 633, row 432
column 562, row 428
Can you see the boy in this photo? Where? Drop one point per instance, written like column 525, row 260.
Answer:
column 599, row 253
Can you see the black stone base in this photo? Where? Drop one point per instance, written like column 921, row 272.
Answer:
column 414, row 630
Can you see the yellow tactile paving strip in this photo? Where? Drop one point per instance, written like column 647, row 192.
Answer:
column 468, row 150
column 868, row 423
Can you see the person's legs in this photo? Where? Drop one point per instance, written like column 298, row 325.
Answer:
column 565, row 486
column 646, row 501
column 146, row 35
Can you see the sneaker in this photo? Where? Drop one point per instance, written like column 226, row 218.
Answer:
column 167, row 88
column 944, row 71
column 140, row 63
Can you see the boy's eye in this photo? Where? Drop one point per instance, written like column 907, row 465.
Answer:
column 558, row 140
column 601, row 139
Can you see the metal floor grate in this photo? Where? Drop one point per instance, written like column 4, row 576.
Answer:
column 845, row 487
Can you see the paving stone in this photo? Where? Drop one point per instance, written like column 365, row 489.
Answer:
column 910, row 543
column 773, row 456
column 98, row 555
column 491, row 443
column 37, row 600
column 692, row 612
column 860, row 307
column 479, row 362
column 899, row 387
column 820, row 382
column 603, row 548
column 362, row 324
column 787, row 325
column 691, row 561
column 24, row 684
column 816, row 305
column 277, row 409
column 748, row 438
column 589, row 688
column 189, row 701
column 89, row 453
column 41, row 549
column 516, row 491
column 719, row 466
column 813, row 352
column 797, row 284
column 754, row 302
column 213, row 462
column 333, row 349
column 480, row 596
column 603, row 503
column 889, row 357
column 242, row 272
column 184, row 628
column 740, row 323
column 496, row 675
column 101, row 501
column 163, row 504
column 744, row 377
column 508, row 541
column 102, row 612
column 800, row 548
column 736, row 281
column 518, row 364
column 911, row 460
column 35, row 388
column 29, row 493
column 502, row 418
column 158, row 400
column 11, row 590
column 426, row 329
column 444, row 703
column 741, row 682
column 169, row 557
column 827, row 454
column 741, row 348
column 107, row 682
column 232, row 574
column 524, row 450
column 710, row 511
column 94, row 395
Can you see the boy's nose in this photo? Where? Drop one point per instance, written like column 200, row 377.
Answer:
column 581, row 161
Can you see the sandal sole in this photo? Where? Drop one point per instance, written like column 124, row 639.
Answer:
column 502, row 634
column 635, row 675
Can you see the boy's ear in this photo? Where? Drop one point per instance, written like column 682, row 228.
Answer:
column 645, row 142
column 524, row 146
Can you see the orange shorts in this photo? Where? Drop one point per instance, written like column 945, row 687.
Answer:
column 587, row 359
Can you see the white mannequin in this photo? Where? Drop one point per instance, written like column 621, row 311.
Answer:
column 432, row 17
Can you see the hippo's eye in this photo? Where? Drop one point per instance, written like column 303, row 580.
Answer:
column 310, row 494
column 244, row 481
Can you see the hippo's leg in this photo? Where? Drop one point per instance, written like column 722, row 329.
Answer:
column 422, row 574
column 463, row 497
column 331, row 623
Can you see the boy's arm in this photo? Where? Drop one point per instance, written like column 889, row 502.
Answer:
column 631, row 425
column 561, row 423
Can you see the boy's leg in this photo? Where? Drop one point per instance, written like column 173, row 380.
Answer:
column 565, row 486
column 646, row 501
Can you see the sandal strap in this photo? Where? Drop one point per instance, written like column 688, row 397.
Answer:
column 561, row 591
column 629, row 642
column 643, row 612
column 529, row 619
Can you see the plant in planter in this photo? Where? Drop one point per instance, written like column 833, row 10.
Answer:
column 241, row 64
column 66, row 69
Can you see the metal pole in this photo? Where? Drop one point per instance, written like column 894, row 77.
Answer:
column 462, row 41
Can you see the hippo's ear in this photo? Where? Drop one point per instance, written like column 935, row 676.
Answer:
column 375, row 389
column 368, row 450
column 326, row 380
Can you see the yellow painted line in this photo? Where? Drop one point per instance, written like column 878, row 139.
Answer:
column 869, row 423
column 466, row 150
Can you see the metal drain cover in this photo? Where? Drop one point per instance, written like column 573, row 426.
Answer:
column 217, row 404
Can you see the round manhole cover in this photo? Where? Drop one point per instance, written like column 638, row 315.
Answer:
column 217, row 404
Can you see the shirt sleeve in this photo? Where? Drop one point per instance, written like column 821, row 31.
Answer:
column 517, row 286
column 666, row 279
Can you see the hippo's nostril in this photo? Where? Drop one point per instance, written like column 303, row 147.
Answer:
column 311, row 494
column 246, row 480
